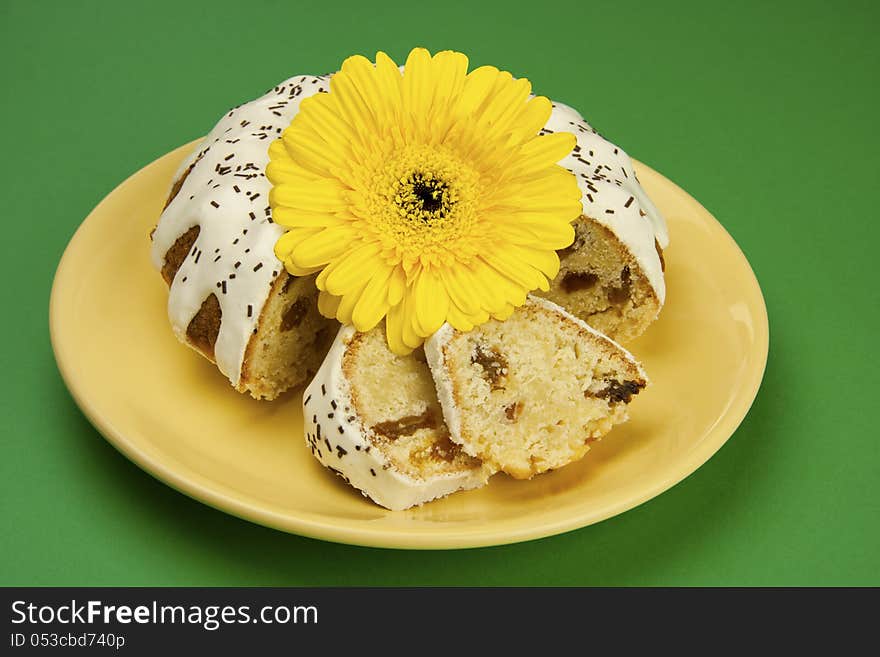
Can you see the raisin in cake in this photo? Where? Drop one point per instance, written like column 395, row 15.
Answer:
column 612, row 275
column 373, row 418
column 230, row 298
column 531, row 393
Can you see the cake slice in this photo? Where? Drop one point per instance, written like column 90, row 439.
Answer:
column 230, row 298
column 373, row 418
column 612, row 274
column 531, row 394
column 601, row 282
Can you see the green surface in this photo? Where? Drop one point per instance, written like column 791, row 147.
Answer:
column 762, row 111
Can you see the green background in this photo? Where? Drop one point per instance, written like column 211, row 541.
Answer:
column 765, row 112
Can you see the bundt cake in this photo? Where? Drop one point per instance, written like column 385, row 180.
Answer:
column 373, row 417
column 232, row 301
column 531, row 394
column 230, row 298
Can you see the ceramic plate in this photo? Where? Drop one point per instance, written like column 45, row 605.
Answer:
column 176, row 416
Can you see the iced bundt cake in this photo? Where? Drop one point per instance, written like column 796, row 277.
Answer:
column 612, row 275
column 531, row 394
column 412, row 199
column 373, row 417
column 230, row 298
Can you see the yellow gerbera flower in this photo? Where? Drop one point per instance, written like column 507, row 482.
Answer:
column 422, row 197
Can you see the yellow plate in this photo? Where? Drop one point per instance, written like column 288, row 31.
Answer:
column 176, row 416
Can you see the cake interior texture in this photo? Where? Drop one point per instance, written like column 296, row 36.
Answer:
column 292, row 337
column 395, row 399
column 600, row 282
column 291, row 340
column 534, row 391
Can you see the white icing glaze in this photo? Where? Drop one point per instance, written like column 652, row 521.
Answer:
column 337, row 438
column 435, row 355
column 227, row 195
column 612, row 194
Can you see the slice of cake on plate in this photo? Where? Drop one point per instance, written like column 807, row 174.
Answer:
column 531, row 394
column 373, row 417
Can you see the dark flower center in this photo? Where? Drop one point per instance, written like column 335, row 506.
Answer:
column 430, row 193
column 424, row 198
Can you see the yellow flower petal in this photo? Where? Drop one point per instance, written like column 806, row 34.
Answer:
column 503, row 107
column 285, row 245
column 348, row 302
column 520, row 273
column 533, row 235
column 477, row 86
column 417, row 83
column 310, row 149
column 284, row 248
column 325, row 122
column 551, row 234
column 451, row 70
column 297, row 218
column 430, row 303
column 410, row 337
column 389, row 82
column 309, row 153
column 328, row 304
column 317, row 196
column 394, row 322
column 372, row 304
column 458, row 320
column 545, row 149
column 351, row 269
column 532, row 117
column 459, row 285
column 346, row 97
column 396, row 286
column 547, row 262
column 504, row 314
column 280, row 165
column 503, row 290
column 317, row 250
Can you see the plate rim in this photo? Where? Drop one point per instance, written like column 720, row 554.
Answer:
column 715, row 438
